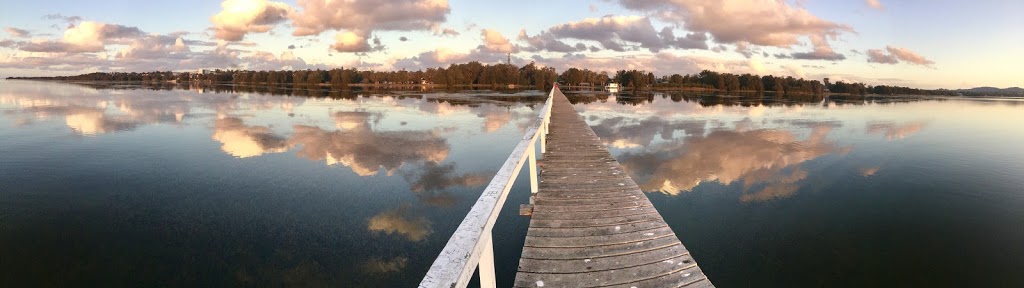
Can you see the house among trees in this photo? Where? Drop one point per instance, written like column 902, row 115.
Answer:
column 198, row 75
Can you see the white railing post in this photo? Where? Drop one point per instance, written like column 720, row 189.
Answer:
column 543, row 138
column 533, row 170
column 471, row 246
column 486, row 267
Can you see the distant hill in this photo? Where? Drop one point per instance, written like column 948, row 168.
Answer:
column 993, row 91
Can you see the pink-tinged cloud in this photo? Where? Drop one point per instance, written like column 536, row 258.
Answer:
column 442, row 57
column 906, row 55
column 18, row 33
column 495, row 42
column 760, row 22
column 822, row 51
column 88, row 36
column 612, row 31
column 896, row 55
column 880, row 57
column 875, row 4
column 8, row 43
column 352, row 41
column 663, row 63
column 448, row 32
column 616, row 33
column 359, row 18
column 317, row 16
column 546, row 42
column 240, row 17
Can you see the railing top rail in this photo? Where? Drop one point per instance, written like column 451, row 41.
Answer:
column 457, row 261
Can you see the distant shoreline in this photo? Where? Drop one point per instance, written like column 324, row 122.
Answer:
column 440, row 87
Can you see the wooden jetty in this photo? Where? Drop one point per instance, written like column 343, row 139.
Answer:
column 591, row 224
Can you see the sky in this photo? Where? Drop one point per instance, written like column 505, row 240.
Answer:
column 917, row 43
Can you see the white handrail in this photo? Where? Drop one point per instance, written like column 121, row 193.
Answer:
column 471, row 245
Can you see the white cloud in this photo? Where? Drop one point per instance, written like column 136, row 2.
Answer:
column 875, row 4
column 351, row 41
column 362, row 17
column 760, row 22
column 317, row 16
column 495, row 42
column 239, row 17
column 88, row 36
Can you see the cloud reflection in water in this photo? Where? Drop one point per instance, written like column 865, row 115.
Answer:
column 401, row 221
column 766, row 159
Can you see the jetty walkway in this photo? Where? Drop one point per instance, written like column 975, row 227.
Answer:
column 590, row 226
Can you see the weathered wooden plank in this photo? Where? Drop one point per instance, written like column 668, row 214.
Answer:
column 469, row 244
column 620, row 184
column 604, row 278
column 593, row 207
column 591, row 225
column 590, row 215
column 582, row 223
column 616, row 189
column 589, row 265
column 588, row 241
column 689, row 278
column 600, row 251
column 578, row 202
column 595, row 231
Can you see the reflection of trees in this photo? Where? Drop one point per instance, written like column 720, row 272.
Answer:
column 634, row 99
column 587, row 98
column 401, row 221
column 893, row 131
column 708, row 100
column 764, row 158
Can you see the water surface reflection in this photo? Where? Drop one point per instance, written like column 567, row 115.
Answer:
column 836, row 191
column 215, row 186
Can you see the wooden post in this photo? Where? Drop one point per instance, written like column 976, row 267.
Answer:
column 543, row 138
column 533, row 170
column 486, row 266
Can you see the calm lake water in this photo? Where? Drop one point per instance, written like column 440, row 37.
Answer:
column 131, row 187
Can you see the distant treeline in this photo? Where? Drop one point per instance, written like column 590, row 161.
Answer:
column 502, row 76
column 472, row 74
